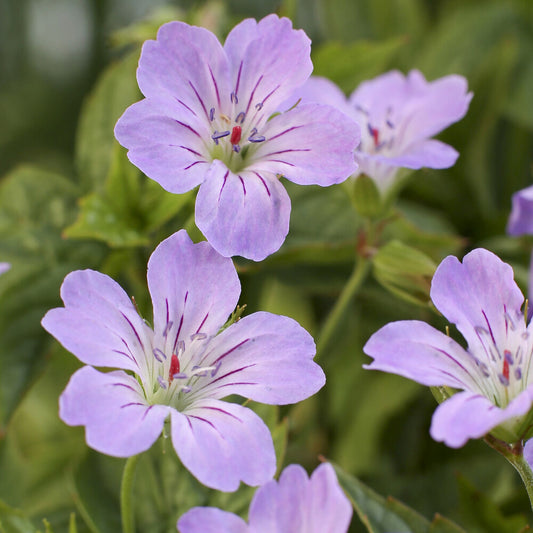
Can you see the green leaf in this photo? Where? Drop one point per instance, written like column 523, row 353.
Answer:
column 114, row 92
column 35, row 205
column 349, row 65
column 14, row 521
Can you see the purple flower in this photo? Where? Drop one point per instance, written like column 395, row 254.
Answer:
column 494, row 374
column 207, row 119
column 521, row 219
column 180, row 370
column 294, row 504
column 397, row 114
column 4, row 267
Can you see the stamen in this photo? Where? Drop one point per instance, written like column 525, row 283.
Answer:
column 180, row 375
column 167, row 328
column 236, row 133
column 506, row 370
column 212, row 114
column 198, row 336
column 216, row 369
column 234, row 99
column 161, row 382
column 159, row 355
column 503, row 380
column 256, row 138
column 240, row 117
column 374, row 133
column 518, row 373
column 259, row 106
column 361, row 110
column 199, row 371
column 218, row 135
column 508, row 357
column 181, row 347
column 185, row 389
column 509, row 321
column 236, row 148
column 484, row 368
column 174, row 367
column 389, row 124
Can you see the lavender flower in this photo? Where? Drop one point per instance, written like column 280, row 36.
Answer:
column 207, row 120
column 521, row 220
column 493, row 374
column 397, row 114
column 4, row 267
column 180, row 370
column 295, row 504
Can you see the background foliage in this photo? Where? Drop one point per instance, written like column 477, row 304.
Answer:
column 69, row 199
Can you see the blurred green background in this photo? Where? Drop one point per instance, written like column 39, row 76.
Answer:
column 69, row 199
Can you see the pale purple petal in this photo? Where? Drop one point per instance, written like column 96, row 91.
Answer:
column 211, row 520
column 528, row 452
column 243, row 214
column 319, row 90
column 428, row 153
column 268, row 61
column 265, row 357
column 311, row 144
column 99, row 324
column 193, row 289
column 166, row 146
column 297, row 504
column 4, row 267
column 223, row 444
column 113, row 409
column 469, row 415
column 187, row 64
column 521, row 219
column 479, row 296
column 419, row 352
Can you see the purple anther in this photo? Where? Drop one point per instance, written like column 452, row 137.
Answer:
column 484, row 369
column 259, row 106
column 180, row 375
column 181, row 346
column 218, row 135
column 361, row 110
column 234, row 99
column 508, row 357
column 503, row 380
column 517, row 373
column 212, row 113
column 198, row 336
column 185, row 389
column 167, row 328
column 161, row 382
column 253, row 132
column 159, row 354
column 389, row 124
column 216, row 369
column 256, row 138
column 236, row 148
column 240, row 117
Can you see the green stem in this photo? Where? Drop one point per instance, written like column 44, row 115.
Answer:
column 339, row 309
column 514, row 454
column 126, row 493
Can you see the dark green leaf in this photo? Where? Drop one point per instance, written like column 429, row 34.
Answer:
column 14, row 521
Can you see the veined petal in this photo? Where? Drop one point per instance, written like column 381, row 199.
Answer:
column 312, row 144
column 211, row 520
column 479, row 296
column 427, row 153
column 193, row 289
column 112, row 408
column 468, row 415
column 321, row 91
column 269, row 59
column 188, row 64
column 243, row 214
column 223, row 444
column 265, row 357
column 419, row 352
column 99, row 324
column 165, row 145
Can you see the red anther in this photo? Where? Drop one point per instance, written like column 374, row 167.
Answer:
column 175, row 367
column 505, row 371
column 236, row 133
column 375, row 135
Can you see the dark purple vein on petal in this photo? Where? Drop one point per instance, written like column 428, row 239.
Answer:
column 186, row 106
column 223, row 185
column 288, row 130
column 238, row 79
column 199, row 99
column 215, row 84
column 134, row 330
column 252, row 94
column 191, row 150
column 286, row 151
column 126, row 386
column 193, row 164
column 263, row 182
column 236, row 371
column 223, row 411
column 189, row 128
column 220, row 357
column 243, row 186
column 207, row 422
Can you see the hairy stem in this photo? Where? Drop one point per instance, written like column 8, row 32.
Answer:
column 126, row 493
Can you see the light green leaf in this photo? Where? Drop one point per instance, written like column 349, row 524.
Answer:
column 14, row 521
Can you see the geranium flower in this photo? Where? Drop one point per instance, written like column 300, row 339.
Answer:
column 294, row 504
column 493, row 374
column 207, row 119
column 4, row 267
column 398, row 115
column 180, row 370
